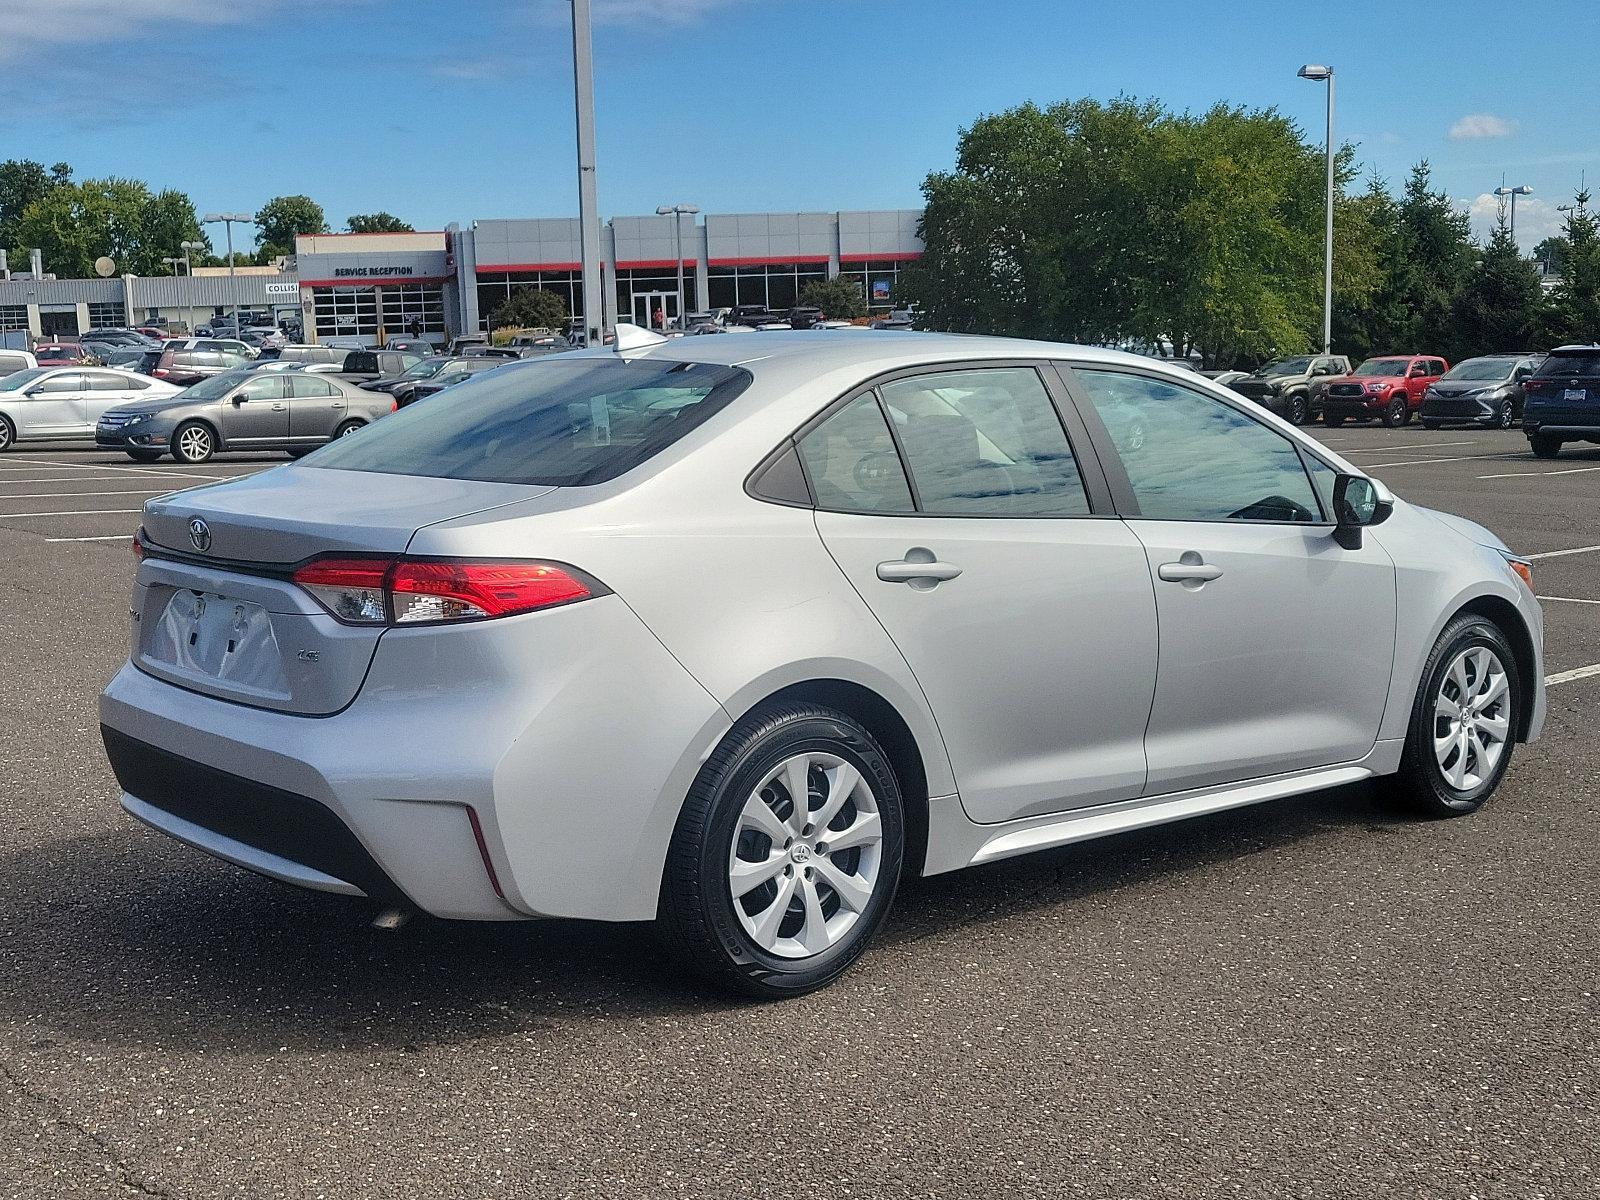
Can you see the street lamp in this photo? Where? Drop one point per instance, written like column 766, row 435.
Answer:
column 1521, row 189
column 229, row 219
column 188, row 269
column 1318, row 73
column 676, row 212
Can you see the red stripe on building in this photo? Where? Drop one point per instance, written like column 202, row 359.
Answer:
column 905, row 256
column 385, row 281
column 767, row 260
column 653, row 264
column 551, row 266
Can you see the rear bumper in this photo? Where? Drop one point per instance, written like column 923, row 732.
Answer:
column 532, row 766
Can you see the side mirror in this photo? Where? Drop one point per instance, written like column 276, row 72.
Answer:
column 1355, row 506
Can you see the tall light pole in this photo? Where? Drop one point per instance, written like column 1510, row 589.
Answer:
column 1319, row 74
column 677, row 212
column 173, row 263
column 1521, row 189
column 188, row 269
column 228, row 219
column 588, row 202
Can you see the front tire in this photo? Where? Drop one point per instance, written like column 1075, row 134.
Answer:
column 143, row 456
column 1331, row 421
column 1463, row 722
column 786, row 855
column 1299, row 409
column 1505, row 416
column 1430, row 426
column 8, row 435
column 193, row 442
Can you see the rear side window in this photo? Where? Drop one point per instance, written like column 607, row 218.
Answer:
column 306, row 386
column 562, row 424
column 985, row 443
column 852, row 464
column 1571, row 366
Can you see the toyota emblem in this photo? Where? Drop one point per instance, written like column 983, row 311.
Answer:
column 199, row 535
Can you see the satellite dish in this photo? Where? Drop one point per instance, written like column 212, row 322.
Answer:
column 105, row 267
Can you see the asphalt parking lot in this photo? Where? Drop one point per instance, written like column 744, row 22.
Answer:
column 1311, row 998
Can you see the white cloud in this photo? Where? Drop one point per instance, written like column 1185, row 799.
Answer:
column 674, row 12
column 1478, row 126
column 1536, row 219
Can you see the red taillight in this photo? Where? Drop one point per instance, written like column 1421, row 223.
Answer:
column 138, row 546
column 394, row 406
column 158, row 371
column 378, row 591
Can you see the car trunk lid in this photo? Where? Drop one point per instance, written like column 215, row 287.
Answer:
column 216, row 609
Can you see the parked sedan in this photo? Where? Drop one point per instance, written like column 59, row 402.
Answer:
column 737, row 633
column 1479, row 391
column 62, row 354
column 453, row 372
column 65, row 403
column 241, row 410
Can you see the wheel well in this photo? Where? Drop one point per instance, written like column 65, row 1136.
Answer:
column 1505, row 615
column 216, row 434
column 885, row 723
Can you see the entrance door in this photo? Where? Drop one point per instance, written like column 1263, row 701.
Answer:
column 58, row 322
column 646, row 306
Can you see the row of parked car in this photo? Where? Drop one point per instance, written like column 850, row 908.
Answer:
column 192, row 397
column 1549, row 395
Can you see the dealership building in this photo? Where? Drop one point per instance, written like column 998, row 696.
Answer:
column 374, row 286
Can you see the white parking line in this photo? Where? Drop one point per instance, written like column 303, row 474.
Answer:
column 1567, row 599
column 58, row 495
column 141, row 470
column 1418, row 446
column 1562, row 553
column 1569, row 676
column 74, row 512
column 105, row 537
column 13, row 481
column 1414, row 462
column 1524, row 474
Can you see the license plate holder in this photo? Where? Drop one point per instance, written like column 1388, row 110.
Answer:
column 1575, row 395
column 208, row 634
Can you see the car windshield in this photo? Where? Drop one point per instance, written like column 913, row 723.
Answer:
column 1383, row 366
column 21, row 379
column 1481, row 368
column 547, row 422
column 1287, row 366
column 1572, row 366
column 426, row 369
column 216, row 387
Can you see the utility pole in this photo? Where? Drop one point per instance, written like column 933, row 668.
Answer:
column 677, row 212
column 228, row 220
column 588, row 202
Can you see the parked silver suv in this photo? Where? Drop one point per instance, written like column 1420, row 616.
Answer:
column 737, row 632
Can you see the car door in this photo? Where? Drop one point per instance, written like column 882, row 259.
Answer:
column 1419, row 375
column 1275, row 642
column 981, row 537
column 316, row 406
column 104, row 391
column 257, row 413
column 53, row 406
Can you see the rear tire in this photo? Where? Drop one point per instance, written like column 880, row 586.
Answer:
column 1544, row 446
column 143, row 456
column 727, row 837
column 346, row 428
column 193, row 442
column 1463, row 722
column 1397, row 414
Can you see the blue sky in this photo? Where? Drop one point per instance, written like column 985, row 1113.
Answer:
column 453, row 111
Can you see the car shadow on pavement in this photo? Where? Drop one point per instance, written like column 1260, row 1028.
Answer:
column 171, row 949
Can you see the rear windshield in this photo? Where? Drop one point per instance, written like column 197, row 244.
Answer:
column 562, row 424
column 1571, row 366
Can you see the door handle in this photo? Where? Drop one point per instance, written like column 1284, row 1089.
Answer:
column 1190, row 568
column 278, row 407
column 918, row 567
column 338, row 404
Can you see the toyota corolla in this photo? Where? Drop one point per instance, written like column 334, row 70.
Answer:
column 736, row 633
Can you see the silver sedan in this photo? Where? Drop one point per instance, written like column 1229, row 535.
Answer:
column 737, row 633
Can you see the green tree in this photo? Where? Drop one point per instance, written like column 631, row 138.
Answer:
column 22, row 181
column 280, row 218
column 76, row 223
column 1366, row 243
column 839, row 298
column 1499, row 304
column 1552, row 252
column 378, row 222
column 1434, row 255
column 1574, row 313
column 530, row 308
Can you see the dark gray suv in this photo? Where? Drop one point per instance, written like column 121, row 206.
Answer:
column 1480, row 391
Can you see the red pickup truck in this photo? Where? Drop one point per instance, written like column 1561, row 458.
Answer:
column 1390, row 388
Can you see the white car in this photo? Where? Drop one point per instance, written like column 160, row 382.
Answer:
column 65, row 403
column 735, row 633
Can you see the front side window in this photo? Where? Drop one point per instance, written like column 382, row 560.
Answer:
column 63, row 381
column 1192, row 458
column 985, row 443
column 852, row 464
column 263, row 387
